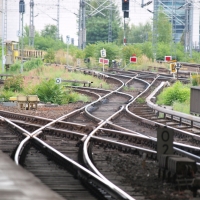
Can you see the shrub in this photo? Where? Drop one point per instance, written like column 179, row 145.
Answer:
column 6, row 94
column 49, row 57
column 15, row 67
column 49, row 91
column 14, row 83
column 178, row 92
column 32, row 64
column 195, row 80
column 140, row 100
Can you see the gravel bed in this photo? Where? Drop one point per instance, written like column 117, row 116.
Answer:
column 142, row 175
column 51, row 112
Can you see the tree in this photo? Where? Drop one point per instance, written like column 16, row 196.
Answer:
column 50, row 31
column 164, row 28
column 140, row 33
column 49, row 57
column 97, row 26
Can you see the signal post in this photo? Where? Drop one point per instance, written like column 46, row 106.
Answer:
column 125, row 8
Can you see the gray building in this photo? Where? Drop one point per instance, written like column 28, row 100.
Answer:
column 184, row 17
column 175, row 13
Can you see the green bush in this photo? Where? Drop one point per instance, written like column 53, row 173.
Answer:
column 15, row 67
column 140, row 100
column 14, row 83
column 178, row 92
column 49, row 57
column 32, row 64
column 49, row 91
column 6, row 94
column 195, row 80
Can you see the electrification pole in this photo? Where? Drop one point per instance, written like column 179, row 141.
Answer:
column 110, row 24
column 191, row 28
column 5, row 20
column 125, row 8
column 31, row 27
column 58, row 19
column 22, row 11
column 83, row 26
column 79, row 25
column 2, row 36
column 67, row 40
column 82, row 29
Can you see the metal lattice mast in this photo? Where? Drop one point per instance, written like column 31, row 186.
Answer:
column 191, row 28
column 110, row 24
column 83, row 25
column 188, row 28
column 173, row 19
column 31, row 26
column 5, row 20
column 155, row 28
column 79, row 25
column 58, row 20
column 82, row 29
column 2, row 37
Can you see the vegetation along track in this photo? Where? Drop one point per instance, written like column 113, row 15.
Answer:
column 98, row 121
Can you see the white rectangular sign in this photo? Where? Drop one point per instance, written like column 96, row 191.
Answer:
column 103, row 53
column 165, row 138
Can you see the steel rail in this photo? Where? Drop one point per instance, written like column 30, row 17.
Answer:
column 89, row 162
column 39, row 131
column 104, row 182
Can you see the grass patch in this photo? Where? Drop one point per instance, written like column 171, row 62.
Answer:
column 128, row 89
column 41, row 81
column 182, row 107
column 140, row 100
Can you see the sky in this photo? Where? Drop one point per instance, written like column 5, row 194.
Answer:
column 45, row 12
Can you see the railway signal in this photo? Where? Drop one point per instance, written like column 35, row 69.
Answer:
column 173, row 67
column 21, row 6
column 178, row 66
column 125, row 5
column 125, row 8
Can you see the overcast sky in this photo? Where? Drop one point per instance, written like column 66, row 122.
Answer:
column 45, row 11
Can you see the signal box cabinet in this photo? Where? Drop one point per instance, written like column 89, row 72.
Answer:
column 194, row 100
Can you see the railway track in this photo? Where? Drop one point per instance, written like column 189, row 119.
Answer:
column 98, row 136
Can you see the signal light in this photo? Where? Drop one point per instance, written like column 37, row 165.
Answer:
column 125, row 5
column 21, row 7
column 173, row 67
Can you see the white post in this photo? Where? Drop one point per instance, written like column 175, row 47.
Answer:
column 103, row 64
column 22, row 45
column 67, row 38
